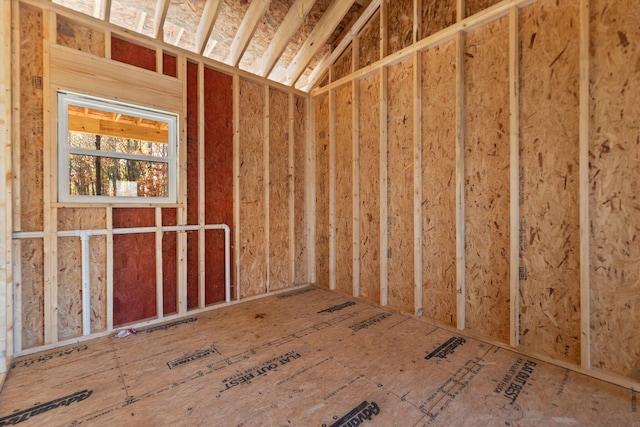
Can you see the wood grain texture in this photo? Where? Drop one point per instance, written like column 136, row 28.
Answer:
column 70, row 271
column 31, row 120
column 549, row 198
column 614, row 203
column 370, row 187
column 344, row 189
column 343, row 65
column 437, row 15
column 474, row 6
column 400, row 190
column 279, row 186
column 400, row 24
column 369, row 48
column 439, row 183
column 29, row 196
column 253, row 270
column 486, row 174
column 322, row 190
column 301, row 259
column 79, row 36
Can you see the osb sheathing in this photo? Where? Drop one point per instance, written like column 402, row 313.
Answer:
column 322, row 190
column 437, row 15
column 369, row 190
column 30, row 192
column 399, row 24
column 226, row 26
column 486, row 175
column 78, row 36
column 29, row 195
column 279, row 189
column 253, row 233
column 614, row 150
column 471, row 7
column 344, row 189
column 343, row 65
column 438, row 183
column 400, row 190
column 369, row 38
column 264, row 32
column 31, row 288
column 549, row 204
column 300, row 242
column 70, row 271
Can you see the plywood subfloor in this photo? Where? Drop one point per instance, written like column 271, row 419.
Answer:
column 309, row 357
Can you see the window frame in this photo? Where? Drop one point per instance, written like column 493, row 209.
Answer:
column 64, row 99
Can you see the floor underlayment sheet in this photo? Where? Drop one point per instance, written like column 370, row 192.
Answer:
column 309, row 357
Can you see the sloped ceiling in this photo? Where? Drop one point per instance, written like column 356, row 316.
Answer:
column 292, row 42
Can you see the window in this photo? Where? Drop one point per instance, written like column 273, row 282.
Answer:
column 116, row 153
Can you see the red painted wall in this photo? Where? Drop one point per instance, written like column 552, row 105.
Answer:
column 169, row 65
column 169, row 263
column 134, row 267
column 192, row 184
column 132, row 54
column 218, row 176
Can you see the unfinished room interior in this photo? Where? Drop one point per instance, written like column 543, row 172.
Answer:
column 320, row 212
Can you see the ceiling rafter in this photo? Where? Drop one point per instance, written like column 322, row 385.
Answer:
column 206, row 24
column 246, row 29
column 287, row 29
column 318, row 37
column 331, row 58
column 162, row 7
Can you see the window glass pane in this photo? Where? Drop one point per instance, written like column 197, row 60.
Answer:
column 117, row 145
column 105, row 176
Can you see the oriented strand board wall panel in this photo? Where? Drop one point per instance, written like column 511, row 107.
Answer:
column 134, row 267
column 193, row 176
column 252, row 248
column 28, row 198
column 70, row 271
column 487, row 179
column 549, row 202
column 279, row 185
column 474, row 6
column 400, row 172
column 343, row 65
column 369, row 47
column 322, row 190
column 400, row 24
column 79, row 36
column 344, row 189
column 369, row 117
column 439, row 183
column 31, row 120
column 31, row 284
column 614, row 199
column 218, row 177
column 437, row 15
column 300, row 167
